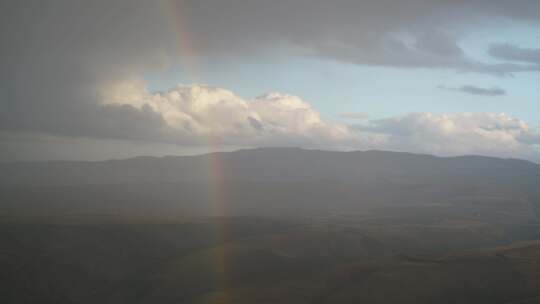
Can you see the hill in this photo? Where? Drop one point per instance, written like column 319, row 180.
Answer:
column 273, row 225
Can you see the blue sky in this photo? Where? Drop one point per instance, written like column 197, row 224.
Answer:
column 336, row 87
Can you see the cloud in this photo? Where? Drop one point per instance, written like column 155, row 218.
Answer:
column 512, row 52
column 474, row 90
column 456, row 134
column 68, row 67
column 202, row 112
column 57, row 55
column 405, row 34
column 201, row 115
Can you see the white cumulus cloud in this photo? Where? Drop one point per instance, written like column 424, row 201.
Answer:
column 195, row 113
column 201, row 111
column 495, row 134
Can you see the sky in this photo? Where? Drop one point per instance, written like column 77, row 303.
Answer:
column 92, row 80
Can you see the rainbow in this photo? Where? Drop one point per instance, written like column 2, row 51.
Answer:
column 179, row 23
column 222, row 263
column 178, row 20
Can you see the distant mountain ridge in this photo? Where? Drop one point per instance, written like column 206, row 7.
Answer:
column 278, row 164
column 278, row 181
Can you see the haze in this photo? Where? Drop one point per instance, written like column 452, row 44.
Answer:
column 289, row 151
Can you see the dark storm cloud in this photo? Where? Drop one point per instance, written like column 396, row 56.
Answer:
column 57, row 55
column 411, row 33
column 474, row 90
column 515, row 53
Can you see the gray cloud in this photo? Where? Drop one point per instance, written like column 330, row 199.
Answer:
column 511, row 52
column 57, row 55
column 474, row 90
column 407, row 33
